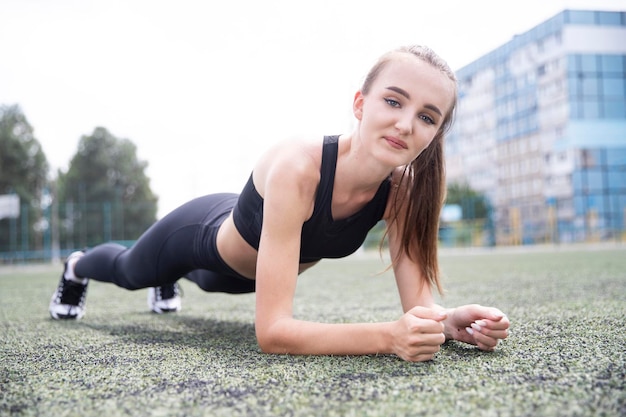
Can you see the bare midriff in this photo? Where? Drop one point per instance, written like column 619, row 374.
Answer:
column 238, row 253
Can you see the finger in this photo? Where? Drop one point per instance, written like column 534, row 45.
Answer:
column 421, row 347
column 490, row 325
column 428, row 313
column 484, row 342
column 486, row 348
column 425, row 352
column 494, row 314
column 486, row 339
column 428, row 341
column 420, row 357
column 479, row 312
column 494, row 330
column 494, row 334
column 427, row 326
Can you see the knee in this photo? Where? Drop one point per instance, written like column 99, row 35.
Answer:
column 212, row 282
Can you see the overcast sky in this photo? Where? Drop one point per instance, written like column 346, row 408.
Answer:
column 202, row 87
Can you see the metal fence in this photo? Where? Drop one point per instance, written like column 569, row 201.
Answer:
column 51, row 233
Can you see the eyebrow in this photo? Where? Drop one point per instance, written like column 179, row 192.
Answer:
column 408, row 97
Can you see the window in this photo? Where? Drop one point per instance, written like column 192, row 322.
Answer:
column 590, row 87
column 572, row 64
column 612, row 64
column 617, row 179
column 595, row 201
column 575, row 108
column 617, row 157
column 613, row 87
column 587, row 158
column 574, row 86
column 609, row 18
column 540, row 45
column 591, row 109
column 580, row 17
column 558, row 38
column 588, row 63
column 595, row 180
column 615, row 109
column 541, row 70
column 579, row 204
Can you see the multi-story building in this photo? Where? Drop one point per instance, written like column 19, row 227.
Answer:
column 541, row 130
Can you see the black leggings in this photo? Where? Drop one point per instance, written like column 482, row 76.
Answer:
column 182, row 244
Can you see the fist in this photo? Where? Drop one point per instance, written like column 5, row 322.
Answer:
column 418, row 334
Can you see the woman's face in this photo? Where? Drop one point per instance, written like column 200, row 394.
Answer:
column 404, row 109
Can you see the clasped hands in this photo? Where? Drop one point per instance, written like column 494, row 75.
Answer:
column 420, row 332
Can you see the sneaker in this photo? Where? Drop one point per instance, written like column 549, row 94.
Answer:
column 165, row 299
column 68, row 301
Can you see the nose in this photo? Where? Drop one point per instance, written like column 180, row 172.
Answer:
column 404, row 124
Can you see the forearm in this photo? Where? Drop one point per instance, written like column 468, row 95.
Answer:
column 297, row 337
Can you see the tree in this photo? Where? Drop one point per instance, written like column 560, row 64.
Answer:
column 23, row 171
column 476, row 226
column 473, row 203
column 105, row 194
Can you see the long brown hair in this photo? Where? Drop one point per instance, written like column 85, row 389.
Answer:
column 425, row 176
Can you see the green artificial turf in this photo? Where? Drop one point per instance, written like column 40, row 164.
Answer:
column 565, row 355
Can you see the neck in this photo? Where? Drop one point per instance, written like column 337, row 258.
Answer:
column 357, row 166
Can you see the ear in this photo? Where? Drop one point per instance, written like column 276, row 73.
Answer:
column 357, row 105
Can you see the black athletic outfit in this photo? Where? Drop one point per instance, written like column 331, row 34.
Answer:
column 183, row 243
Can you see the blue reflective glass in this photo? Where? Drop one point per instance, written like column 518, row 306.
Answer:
column 579, row 204
column 590, row 87
column 588, row 63
column 575, row 108
column 614, row 109
column 595, row 180
column 577, row 181
column 572, row 64
column 617, row 158
column 574, row 85
column 581, row 17
column 594, row 202
column 612, row 63
column 617, row 179
column 613, row 87
column 609, row 18
column 591, row 109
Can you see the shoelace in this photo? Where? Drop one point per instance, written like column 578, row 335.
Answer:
column 72, row 293
column 167, row 291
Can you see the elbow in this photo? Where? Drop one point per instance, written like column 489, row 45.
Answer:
column 270, row 342
column 269, row 347
column 264, row 341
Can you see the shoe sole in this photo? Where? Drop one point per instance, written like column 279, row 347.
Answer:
column 165, row 310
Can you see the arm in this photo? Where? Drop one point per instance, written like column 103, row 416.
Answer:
column 289, row 189
column 473, row 324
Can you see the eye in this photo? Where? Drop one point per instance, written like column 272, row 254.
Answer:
column 392, row 102
column 427, row 119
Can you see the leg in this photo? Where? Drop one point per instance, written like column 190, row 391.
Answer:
column 219, row 277
column 167, row 251
column 215, row 282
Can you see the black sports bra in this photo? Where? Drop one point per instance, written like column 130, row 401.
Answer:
column 322, row 236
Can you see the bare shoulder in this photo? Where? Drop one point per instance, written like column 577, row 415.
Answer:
column 289, row 163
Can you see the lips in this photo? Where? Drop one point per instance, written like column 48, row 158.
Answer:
column 396, row 143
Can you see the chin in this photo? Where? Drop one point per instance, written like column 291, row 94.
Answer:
column 392, row 160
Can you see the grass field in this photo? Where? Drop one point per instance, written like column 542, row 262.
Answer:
column 565, row 355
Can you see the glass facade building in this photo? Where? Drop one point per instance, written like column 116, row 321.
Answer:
column 541, row 130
